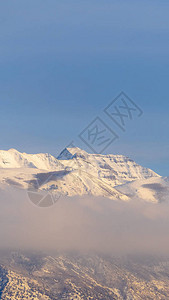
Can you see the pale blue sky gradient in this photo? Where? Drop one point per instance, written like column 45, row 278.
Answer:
column 62, row 62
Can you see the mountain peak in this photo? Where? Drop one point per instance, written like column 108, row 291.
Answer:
column 71, row 152
column 93, row 174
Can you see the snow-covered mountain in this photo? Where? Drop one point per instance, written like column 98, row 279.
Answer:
column 153, row 189
column 14, row 159
column 76, row 172
column 115, row 169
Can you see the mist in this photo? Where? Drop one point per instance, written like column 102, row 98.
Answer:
column 83, row 224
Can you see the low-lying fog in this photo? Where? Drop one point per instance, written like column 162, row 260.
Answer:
column 85, row 223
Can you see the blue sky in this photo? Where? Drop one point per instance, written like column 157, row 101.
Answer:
column 62, row 62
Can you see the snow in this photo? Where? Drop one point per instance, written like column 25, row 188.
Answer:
column 76, row 172
column 14, row 159
column 154, row 189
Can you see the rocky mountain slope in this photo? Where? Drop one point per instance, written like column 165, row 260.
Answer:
column 71, row 276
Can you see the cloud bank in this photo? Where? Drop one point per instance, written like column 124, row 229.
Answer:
column 85, row 224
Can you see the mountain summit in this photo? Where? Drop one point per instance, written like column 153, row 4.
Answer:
column 76, row 172
column 71, row 152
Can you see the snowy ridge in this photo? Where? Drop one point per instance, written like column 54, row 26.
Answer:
column 15, row 159
column 76, row 172
column 153, row 189
column 114, row 168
